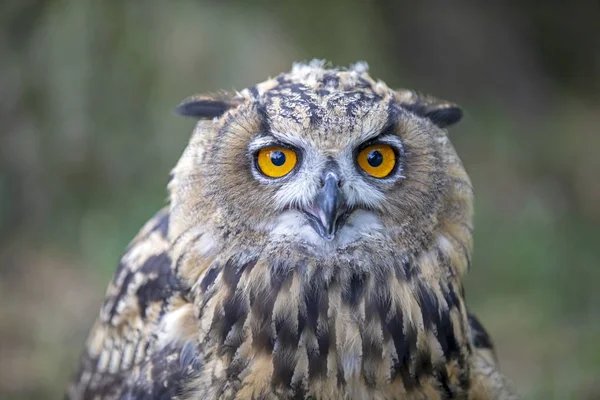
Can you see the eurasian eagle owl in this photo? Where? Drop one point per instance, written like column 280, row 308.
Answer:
column 315, row 244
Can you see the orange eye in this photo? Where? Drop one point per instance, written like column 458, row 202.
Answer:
column 276, row 162
column 377, row 160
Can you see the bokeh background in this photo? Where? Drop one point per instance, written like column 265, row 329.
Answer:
column 88, row 136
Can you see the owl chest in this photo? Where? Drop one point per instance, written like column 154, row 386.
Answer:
column 342, row 334
column 351, row 368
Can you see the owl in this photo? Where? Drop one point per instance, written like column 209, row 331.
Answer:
column 318, row 231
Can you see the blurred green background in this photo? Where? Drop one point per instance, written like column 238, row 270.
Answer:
column 88, row 136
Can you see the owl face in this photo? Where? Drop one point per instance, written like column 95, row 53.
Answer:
column 322, row 187
column 320, row 174
column 324, row 157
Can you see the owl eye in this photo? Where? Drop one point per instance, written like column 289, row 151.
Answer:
column 377, row 160
column 275, row 161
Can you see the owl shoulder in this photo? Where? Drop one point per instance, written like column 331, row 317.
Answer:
column 143, row 300
column 487, row 383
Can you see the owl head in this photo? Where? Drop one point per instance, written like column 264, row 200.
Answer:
column 324, row 159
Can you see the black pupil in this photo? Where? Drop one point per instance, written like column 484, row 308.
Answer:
column 374, row 158
column 277, row 158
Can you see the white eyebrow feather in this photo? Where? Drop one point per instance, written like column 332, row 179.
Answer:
column 274, row 138
column 259, row 143
column 291, row 138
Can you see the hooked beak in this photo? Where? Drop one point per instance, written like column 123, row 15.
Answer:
column 326, row 213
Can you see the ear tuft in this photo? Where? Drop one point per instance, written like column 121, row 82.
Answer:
column 441, row 113
column 204, row 107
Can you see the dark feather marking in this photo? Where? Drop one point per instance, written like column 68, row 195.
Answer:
column 372, row 348
column 393, row 114
column 360, row 100
column 261, row 304
column 288, row 110
column 450, row 296
column 362, row 83
column 254, row 92
column 209, row 277
column 383, row 300
column 323, row 331
column 331, row 81
column 438, row 319
column 302, row 312
column 430, row 309
column 408, row 380
column 283, row 79
column 233, row 269
column 160, row 284
column 479, row 336
column 405, row 342
column 446, row 328
column 286, row 345
column 162, row 377
column 106, row 386
column 405, row 269
column 162, row 225
column 284, row 361
column 265, row 125
column 442, row 377
column 293, row 96
column 464, row 378
column 301, row 321
column 316, row 304
column 235, row 309
column 236, row 367
column 122, row 290
column 300, row 392
column 371, row 358
column 445, row 263
column 352, row 293
column 189, row 357
column 423, row 365
column 312, row 298
column 341, row 381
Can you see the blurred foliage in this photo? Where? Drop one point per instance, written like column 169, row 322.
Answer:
column 88, row 139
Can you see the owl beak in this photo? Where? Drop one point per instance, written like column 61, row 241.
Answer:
column 329, row 205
